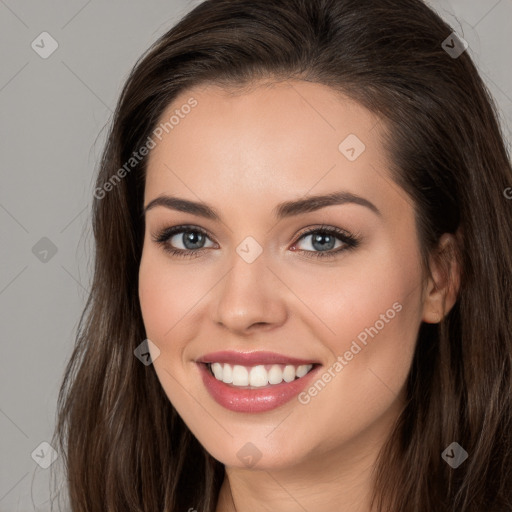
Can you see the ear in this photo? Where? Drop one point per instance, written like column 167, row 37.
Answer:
column 440, row 293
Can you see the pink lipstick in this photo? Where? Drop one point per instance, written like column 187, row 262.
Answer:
column 255, row 381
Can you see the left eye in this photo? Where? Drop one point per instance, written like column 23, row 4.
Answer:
column 320, row 240
column 323, row 240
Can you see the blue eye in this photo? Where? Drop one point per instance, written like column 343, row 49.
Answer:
column 325, row 238
column 191, row 237
column 193, row 240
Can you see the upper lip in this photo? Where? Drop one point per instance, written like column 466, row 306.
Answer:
column 252, row 358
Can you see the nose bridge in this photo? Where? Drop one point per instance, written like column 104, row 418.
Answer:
column 248, row 293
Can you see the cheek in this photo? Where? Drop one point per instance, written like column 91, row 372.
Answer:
column 157, row 300
column 375, row 323
column 377, row 289
column 164, row 304
column 167, row 296
column 370, row 316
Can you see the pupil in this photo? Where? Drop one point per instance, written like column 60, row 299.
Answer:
column 323, row 245
column 194, row 238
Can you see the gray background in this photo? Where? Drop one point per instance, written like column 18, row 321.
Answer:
column 54, row 111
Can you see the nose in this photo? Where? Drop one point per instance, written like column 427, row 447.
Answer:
column 250, row 298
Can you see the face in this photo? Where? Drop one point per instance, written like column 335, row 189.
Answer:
column 268, row 284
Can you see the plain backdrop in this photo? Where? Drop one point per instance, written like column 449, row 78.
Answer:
column 53, row 116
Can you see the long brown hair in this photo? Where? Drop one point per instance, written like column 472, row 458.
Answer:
column 124, row 446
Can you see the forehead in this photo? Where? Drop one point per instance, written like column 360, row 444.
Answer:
column 274, row 141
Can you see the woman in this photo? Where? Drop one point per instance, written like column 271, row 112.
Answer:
column 303, row 272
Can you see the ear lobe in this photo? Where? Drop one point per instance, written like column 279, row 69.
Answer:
column 443, row 285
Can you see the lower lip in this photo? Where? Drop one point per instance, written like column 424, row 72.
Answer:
column 256, row 399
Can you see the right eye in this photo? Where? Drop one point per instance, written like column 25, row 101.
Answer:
column 192, row 238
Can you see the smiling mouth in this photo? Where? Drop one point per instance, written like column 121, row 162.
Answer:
column 257, row 376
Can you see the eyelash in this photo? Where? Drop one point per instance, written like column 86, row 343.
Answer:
column 350, row 241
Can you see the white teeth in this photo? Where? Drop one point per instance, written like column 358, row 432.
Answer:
column 303, row 369
column 217, row 370
column 227, row 374
column 258, row 376
column 275, row 375
column 240, row 375
column 289, row 373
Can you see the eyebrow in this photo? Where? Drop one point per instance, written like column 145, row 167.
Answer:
column 281, row 211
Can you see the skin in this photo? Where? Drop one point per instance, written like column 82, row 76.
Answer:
column 243, row 154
